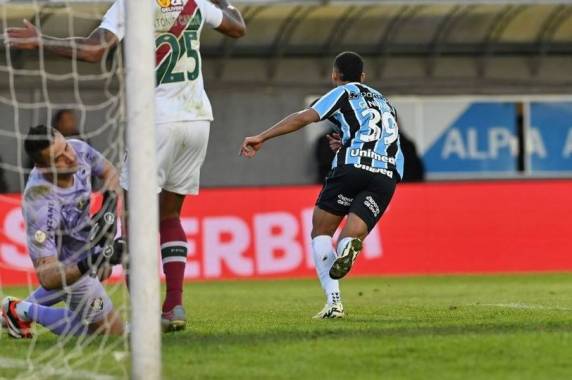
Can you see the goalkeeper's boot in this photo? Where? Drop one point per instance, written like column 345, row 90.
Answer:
column 174, row 320
column 343, row 264
column 331, row 311
column 16, row 327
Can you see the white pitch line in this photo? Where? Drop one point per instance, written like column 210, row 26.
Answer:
column 523, row 306
column 50, row 371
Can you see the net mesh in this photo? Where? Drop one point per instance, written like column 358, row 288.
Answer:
column 35, row 86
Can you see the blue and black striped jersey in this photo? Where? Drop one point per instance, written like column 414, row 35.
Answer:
column 368, row 127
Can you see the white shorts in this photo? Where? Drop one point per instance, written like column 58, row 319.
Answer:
column 181, row 151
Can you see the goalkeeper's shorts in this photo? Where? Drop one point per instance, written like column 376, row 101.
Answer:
column 86, row 298
column 181, row 150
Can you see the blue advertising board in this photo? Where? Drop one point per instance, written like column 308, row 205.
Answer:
column 481, row 137
column 550, row 137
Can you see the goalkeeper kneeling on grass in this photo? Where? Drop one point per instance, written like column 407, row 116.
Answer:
column 72, row 252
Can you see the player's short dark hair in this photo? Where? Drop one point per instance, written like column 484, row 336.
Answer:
column 59, row 114
column 350, row 66
column 39, row 138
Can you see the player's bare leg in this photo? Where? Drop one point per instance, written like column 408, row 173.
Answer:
column 349, row 246
column 324, row 225
column 174, row 258
column 324, row 222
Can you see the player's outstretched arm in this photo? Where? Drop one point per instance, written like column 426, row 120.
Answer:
column 289, row 124
column 232, row 24
column 89, row 49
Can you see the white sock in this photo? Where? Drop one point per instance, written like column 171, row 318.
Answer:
column 22, row 309
column 323, row 253
column 342, row 244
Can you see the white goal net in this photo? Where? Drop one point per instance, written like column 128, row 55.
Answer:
column 84, row 101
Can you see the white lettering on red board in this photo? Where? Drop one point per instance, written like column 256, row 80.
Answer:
column 273, row 243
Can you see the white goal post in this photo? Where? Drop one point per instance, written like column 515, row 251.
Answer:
column 104, row 97
column 143, row 207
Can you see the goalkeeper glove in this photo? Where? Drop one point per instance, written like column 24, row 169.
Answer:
column 109, row 256
column 104, row 222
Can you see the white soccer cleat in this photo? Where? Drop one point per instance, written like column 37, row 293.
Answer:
column 344, row 262
column 331, row 311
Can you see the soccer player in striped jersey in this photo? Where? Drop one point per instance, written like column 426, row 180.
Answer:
column 365, row 170
column 183, row 114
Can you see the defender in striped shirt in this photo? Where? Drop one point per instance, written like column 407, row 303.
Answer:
column 365, row 170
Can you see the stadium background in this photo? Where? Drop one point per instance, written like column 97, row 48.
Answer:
column 483, row 88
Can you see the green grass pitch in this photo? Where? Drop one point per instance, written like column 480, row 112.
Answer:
column 457, row 327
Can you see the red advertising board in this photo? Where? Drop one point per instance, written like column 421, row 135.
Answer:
column 433, row 228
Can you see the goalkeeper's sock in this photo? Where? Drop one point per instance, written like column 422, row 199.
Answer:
column 323, row 254
column 44, row 297
column 174, row 258
column 58, row 320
